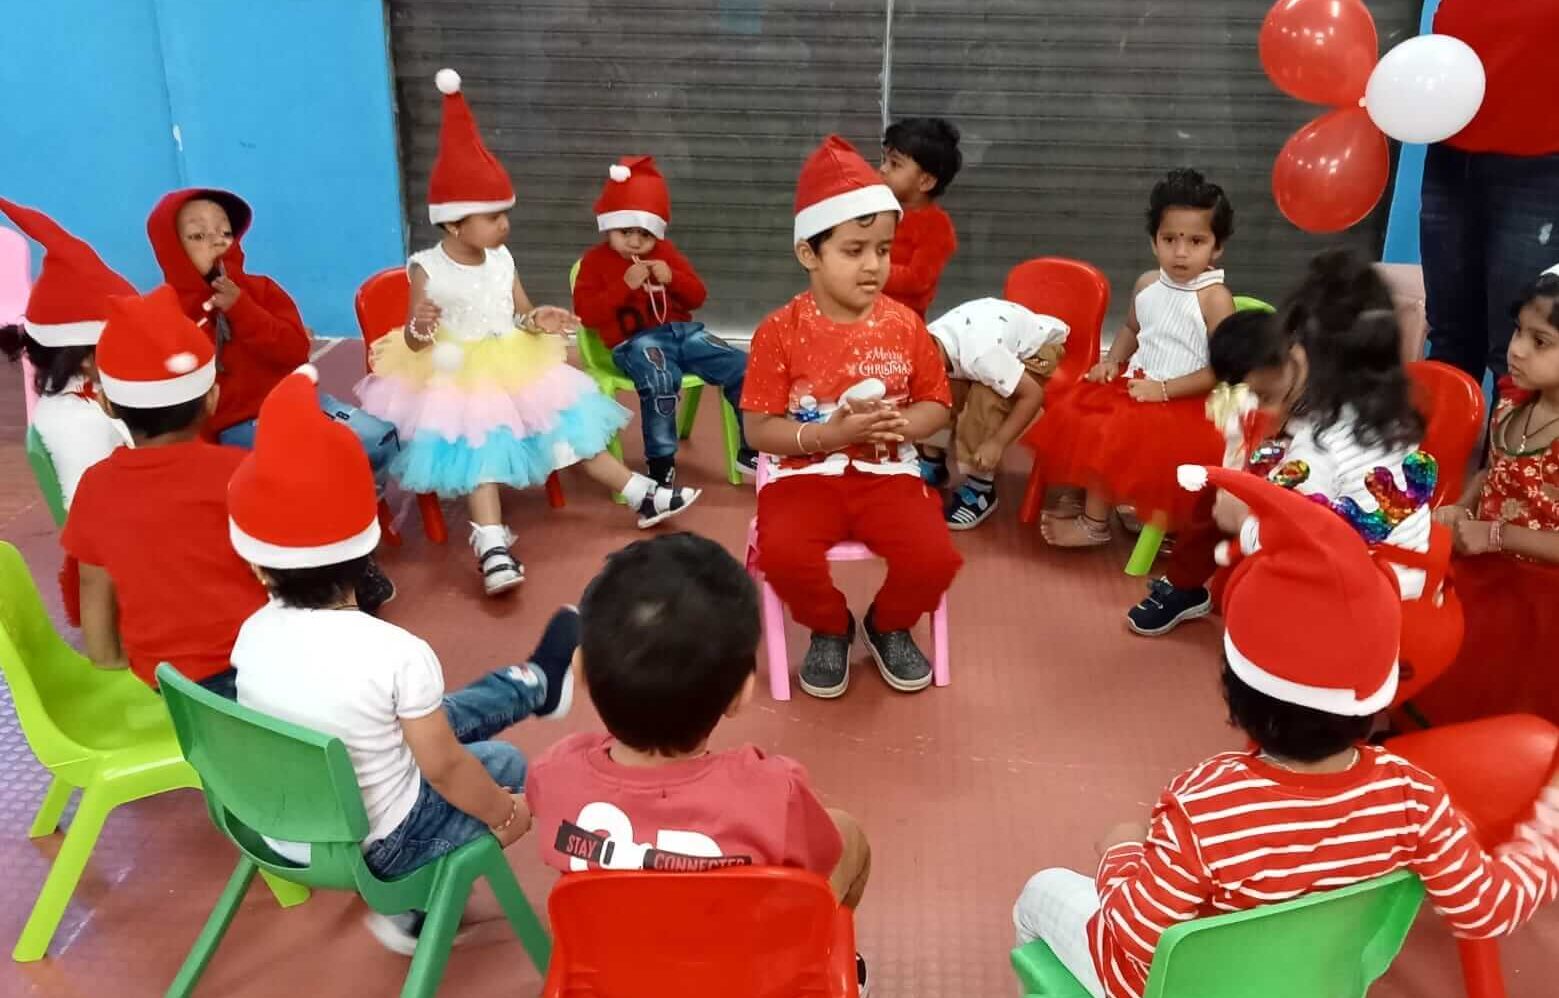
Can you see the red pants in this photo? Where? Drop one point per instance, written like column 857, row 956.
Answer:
column 896, row 516
column 1192, row 562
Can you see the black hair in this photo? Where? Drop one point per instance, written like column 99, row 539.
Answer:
column 817, row 241
column 1286, row 730
column 1248, row 340
column 1186, row 188
column 668, row 635
column 932, row 143
column 316, row 588
column 1545, row 287
column 146, row 423
column 52, row 367
column 1342, row 314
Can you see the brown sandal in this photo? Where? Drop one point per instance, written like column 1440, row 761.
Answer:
column 1079, row 532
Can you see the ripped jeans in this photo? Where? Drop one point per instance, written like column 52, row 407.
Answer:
column 656, row 360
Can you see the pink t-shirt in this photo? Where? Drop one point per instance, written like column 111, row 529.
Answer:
column 733, row 808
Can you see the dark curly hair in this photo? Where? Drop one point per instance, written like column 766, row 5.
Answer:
column 1545, row 288
column 1186, row 188
column 1286, row 730
column 52, row 367
column 932, row 143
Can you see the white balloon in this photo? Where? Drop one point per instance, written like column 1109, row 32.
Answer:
column 1426, row 89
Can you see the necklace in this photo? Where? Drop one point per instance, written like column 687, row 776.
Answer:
column 1280, row 765
column 1526, row 426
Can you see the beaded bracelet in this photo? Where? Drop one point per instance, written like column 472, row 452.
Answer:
column 1165, row 386
column 514, row 812
column 1497, row 535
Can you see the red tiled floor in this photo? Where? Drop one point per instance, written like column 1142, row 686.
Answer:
column 1057, row 725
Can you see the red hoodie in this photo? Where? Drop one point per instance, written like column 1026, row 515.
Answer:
column 617, row 312
column 923, row 244
column 266, row 339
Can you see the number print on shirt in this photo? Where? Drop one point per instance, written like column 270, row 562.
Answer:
column 604, row 836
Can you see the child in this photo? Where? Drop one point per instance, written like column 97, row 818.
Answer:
column 1314, row 807
column 639, row 294
column 1122, row 438
column 664, row 662
column 479, row 402
column 920, row 158
column 149, row 522
column 302, row 511
column 848, row 468
column 998, row 355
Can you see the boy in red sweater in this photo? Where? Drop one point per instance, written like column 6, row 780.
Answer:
column 639, row 294
column 1314, row 807
column 149, row 522
column 920, row 158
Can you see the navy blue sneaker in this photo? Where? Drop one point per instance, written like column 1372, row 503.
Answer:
column 554, row 659
column 1166, row 608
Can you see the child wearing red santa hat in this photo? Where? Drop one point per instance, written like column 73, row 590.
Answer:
column 479, row 386
column 638, row 292
column 149, row 522
column 302, row 511
column 841, row 384
column 1313, row 806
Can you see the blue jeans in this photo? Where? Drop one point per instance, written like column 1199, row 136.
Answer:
column 1489, row 225
column 655, row 361
column 435, row 826
column 378, row 437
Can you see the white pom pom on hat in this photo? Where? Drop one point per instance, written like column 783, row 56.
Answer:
column 447, row 357
column 181, row 363
column 1192, row 477
column 308, row 371
column 619, row 173
column 447, row 81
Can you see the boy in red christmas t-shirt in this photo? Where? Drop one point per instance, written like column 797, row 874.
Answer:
column 841, row 383
column 920, row 158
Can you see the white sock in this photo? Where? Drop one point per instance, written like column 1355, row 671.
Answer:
column 637, row 488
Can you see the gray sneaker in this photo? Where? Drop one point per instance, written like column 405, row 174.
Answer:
column 899, row 659
column 825, row 672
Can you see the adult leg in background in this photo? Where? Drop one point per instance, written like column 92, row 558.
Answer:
column 1452, row 225
column 1522, row 236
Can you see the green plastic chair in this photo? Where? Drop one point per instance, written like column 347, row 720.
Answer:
column 48, row 480
column 264, row 777
column 611, row 380
column 1145, row 553
column 1328, row 945
column 102, row 732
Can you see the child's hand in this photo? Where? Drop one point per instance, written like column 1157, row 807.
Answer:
column 987, row 456
column 554, row 320
column 1126, row 831
column 1450, row 516
column 878, row 424
column 519, row 826
column 1473, row 536
column 1144, row 390
column 1105, row 370
column 425, row 317
column 636, row 275
column 226, row 292
column 660, row 270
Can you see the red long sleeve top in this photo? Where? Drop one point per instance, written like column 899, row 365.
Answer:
column 617, row 312
column 925, row 241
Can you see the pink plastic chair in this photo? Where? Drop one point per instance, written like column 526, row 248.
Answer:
column 15, row 286
column 774, row 611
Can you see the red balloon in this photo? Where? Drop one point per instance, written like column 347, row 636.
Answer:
column 1330, row 174
column 1320, row 51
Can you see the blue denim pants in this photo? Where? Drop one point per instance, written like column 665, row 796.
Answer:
column 378, row 437
column 435, row 826
column 1489, row 225
column 656, row 359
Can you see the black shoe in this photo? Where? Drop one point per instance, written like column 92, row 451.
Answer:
column 899, row 659
column 1165, row 608
column 663, row 503
column 663, row 470
column 825, row 672
column 968, row 507
column 374, row 589
column 747, row 462
column 933, row 471
column 860, row 976
column 554, row 658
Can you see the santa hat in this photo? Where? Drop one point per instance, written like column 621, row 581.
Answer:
column 69, row 302
column 1309, row 617
column 151, row 355
column 635, row 197
column 836, row 185
column 467, row 180
column 304, row 497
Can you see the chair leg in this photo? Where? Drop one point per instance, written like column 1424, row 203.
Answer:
column 445, row 906
column 215, row 928
column 287, row 893
column 60, row 884
column 432, row 517
column 941, row 663
column 1033, row 497
column 47, row 820
column 774, row 642
column 387, row 525
column 1146, row 551
column 685, row 419
column 1481, row 973
column 522, row 917
column 555, row 491
column 733, row 440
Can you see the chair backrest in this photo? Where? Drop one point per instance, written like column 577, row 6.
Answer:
column 593, row 353
column 15, row 286
column 1075, row 292
column 1332, row 944
column 382, row 303
column 1453, row 406
column 1245, row 303
column 759, row 932
column 43, row 472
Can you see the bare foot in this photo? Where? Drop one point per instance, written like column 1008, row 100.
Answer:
column 1078, row 532
column 1068, row 506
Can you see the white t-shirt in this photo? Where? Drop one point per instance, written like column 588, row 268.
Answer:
column 346, row 674
column 77, row 433
column 477, row 300
column 988, row 339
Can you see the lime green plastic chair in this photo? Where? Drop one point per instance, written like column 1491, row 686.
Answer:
column 1145, row 553
column 264, row 777
column 43, row 471
column 102, row 732
column 1328, row 945
column 611, row 380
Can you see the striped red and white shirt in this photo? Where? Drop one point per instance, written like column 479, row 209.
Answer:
column 1236, row 832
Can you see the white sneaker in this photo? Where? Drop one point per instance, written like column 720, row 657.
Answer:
column 399, row 933
column 500, row 571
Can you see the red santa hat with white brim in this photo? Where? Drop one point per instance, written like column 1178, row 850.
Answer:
column 635, row 197
column 1309, row 573
column 69, row 302
column 467, row 179
column 151, row 355
column 836, row 185
column 304, row 497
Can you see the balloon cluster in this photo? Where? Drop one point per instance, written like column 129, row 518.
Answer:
column 1330, row 174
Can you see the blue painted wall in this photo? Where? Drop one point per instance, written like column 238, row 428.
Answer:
column 1402, row 224
column 287, row 102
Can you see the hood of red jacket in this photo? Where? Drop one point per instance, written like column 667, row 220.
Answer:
column 194, row 288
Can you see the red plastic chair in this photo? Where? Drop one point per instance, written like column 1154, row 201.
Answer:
column 382, row 304
column 1078, row 294
column 1453, row 405
column 757, row 932
column 1495, row 797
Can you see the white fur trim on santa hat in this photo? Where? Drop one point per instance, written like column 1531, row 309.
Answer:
column 454, row 211
column 163, row 393
column 268, row 555
column 308, row 371
column 648, row 221
column 1340, row 702
column 619, row 173
column 447, row 81
column 65, row 334
column 1192, row 477
column 829, row 212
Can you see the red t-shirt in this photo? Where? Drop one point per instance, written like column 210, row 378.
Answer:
column 1516, row 40
column 155, row 518
column 923, row 244
column 734, row 808
column 617, row 312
